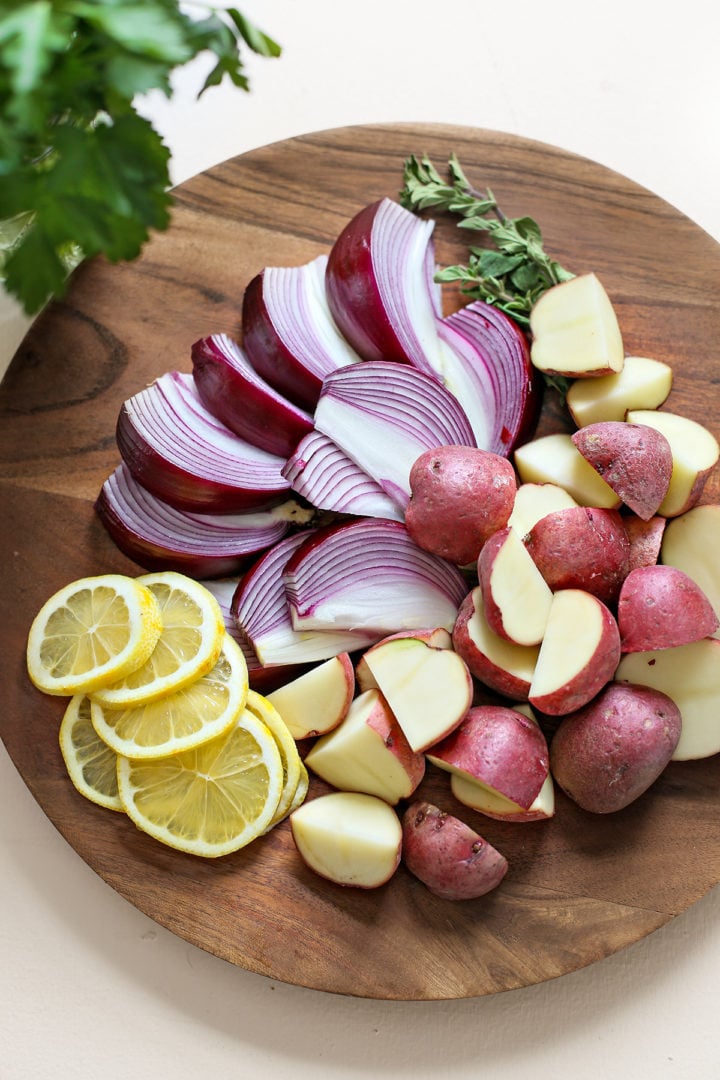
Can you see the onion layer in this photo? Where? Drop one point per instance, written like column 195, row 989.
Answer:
column 380, row 286
column 262, row 615
column 180, row 452
column 231, row 389
column 159, row 537
column 289, row 334
column 320, row 472
column 369, row 575
column 384, row 415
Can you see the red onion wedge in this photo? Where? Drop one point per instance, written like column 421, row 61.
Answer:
column 320, row 472
column 262, row 679
column 368, row 575
column 232, row 390
column 381, row 290
column 488, row 370
column 159, row 537
column 384, row 415
column 262, row 615
column 288, row 332
column 180, row 452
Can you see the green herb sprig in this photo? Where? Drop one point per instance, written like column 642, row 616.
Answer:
column 81, row 171
column 511, row 274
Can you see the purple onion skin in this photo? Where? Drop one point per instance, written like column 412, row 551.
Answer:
column 269, row 355
column 353, row 295
column 243, row 406
column 182, row 489
column 154, row 557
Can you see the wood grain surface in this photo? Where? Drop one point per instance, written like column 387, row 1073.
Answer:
column 580, row 887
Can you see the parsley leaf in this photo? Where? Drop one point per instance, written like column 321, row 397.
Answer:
column 81, row 173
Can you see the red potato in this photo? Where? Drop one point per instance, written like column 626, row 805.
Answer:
column 500, row 748
column 690, row 543
column 660, row 607
column 501, row 665
column 643, row 383
column 368, row 752
column 645, row 539
column 449, row 857
column 534, row 501
column 317, row 700
column 429, row 689
column 436, row 638
column 690, row 676
column 575, row 330
column 578, row 656
column 581, row 548
column 609, row 753
column 490, row 804
column 460, row 496
column 695, row 453
column 349, row 838
column 554, row 459
column 634, row 459
column 516, row 596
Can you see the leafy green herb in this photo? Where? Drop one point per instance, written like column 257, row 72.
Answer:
column 516, row 270
column 81, row 172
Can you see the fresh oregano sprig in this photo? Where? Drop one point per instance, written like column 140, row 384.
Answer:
column 511, row 274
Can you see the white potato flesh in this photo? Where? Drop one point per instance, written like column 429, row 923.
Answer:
column 520, row 592
column 535, row 501
column 690, row 676
column 574, row 633
column 429, row 690
column 690, row 543
column 695, row 452
column 363, row 754
column 518, row 661
column 316, row 701
column 554, row 459
column 348, row 838
column 486, row 800
column 575, row 330
column 643, row 383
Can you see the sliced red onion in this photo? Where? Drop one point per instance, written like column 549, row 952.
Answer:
column 289, row 334
column 384, row 415
column 380, row 286
column 262, row 615
column 368, row 575
column 159, row 537
column 262, row 679
column 180, row 452
column 320, row 472
column 488, row 370
column 231, row 389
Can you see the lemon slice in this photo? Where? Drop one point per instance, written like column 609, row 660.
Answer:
column 183, row 720
column 300, row 791
column 188, row 648
column 264, row 710
column 209, row 801
column 91, row 633
column 91, row 764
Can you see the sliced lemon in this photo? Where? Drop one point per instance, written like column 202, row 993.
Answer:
column 188, row 648
column 91, row 633
column 300, row 791
column 210, row 801
column 182, row 720
column 264, row 710
column 91, row 764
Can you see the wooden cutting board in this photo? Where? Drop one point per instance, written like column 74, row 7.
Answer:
column 580, row 887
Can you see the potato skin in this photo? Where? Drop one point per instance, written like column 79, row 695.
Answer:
column 660, row 607
column 449, row 857
column 633, row 459
column 460, row 496
column 581, row 548
column 606, row 755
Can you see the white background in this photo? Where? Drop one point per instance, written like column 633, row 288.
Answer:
column 89, row 987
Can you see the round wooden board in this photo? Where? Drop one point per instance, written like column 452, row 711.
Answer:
column 580, row 886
